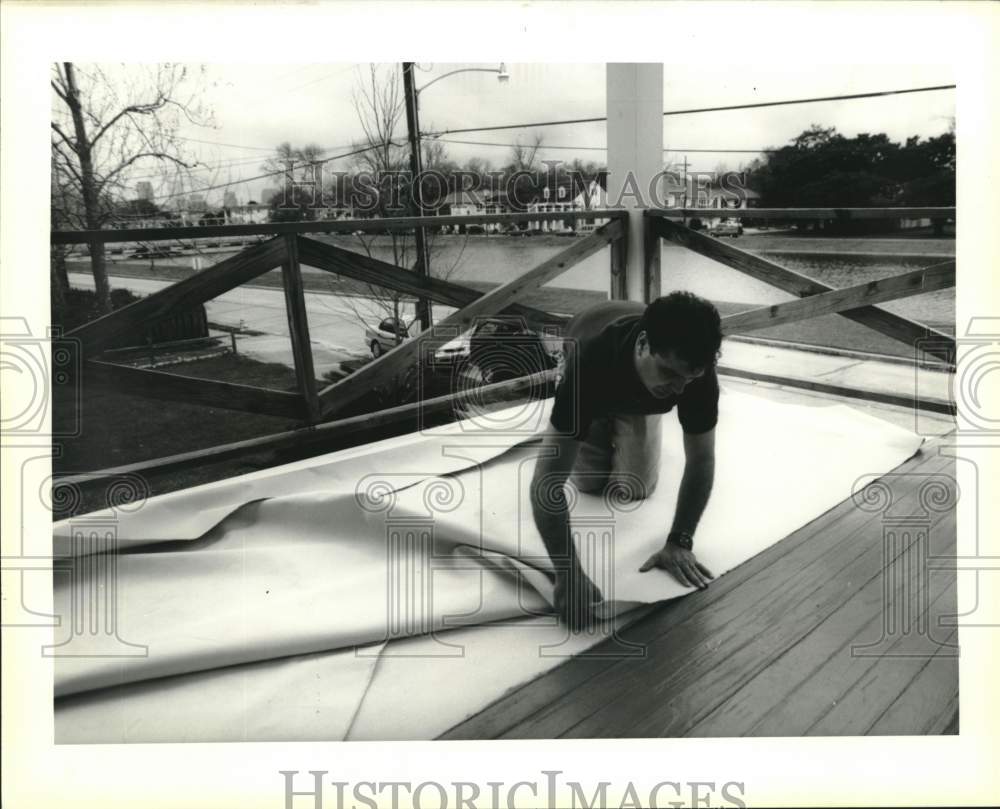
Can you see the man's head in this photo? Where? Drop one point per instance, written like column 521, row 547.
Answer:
column 679, row 339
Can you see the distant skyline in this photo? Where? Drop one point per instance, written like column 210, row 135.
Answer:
column 258, row 106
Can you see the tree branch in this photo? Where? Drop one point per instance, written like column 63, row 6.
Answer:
column 158, row 155
column 62, row 135
column 59, row 92
column 68, row 162
column 138, row 109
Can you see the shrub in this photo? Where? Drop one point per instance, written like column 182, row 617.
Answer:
column 79, row 306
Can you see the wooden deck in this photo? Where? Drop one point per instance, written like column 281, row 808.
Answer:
column 832, row 631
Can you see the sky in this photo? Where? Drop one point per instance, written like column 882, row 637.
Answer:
column 257, row 106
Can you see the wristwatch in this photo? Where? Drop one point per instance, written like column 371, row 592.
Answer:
column 682, row 539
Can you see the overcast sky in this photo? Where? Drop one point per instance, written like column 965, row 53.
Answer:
column 258, row 106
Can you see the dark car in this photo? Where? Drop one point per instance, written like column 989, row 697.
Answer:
column 505, row 348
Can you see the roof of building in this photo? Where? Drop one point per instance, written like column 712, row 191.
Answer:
column 463, row 197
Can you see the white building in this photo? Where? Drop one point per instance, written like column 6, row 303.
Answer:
column 249, row 214
column 595, row 196
column 472, row 203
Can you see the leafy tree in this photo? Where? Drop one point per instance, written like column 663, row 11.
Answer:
column 822, row 168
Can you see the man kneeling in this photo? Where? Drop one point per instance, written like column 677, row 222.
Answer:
column 626, row 364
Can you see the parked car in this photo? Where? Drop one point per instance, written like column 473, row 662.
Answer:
column 505, row 348
column 386, row 336
column 497, row 348
column 154, row 252
column 727, row 227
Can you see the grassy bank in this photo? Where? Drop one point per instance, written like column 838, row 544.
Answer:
column 108, row 427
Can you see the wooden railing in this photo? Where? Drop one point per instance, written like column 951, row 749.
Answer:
column 816, row 298
column 286, row 246
column 787, row 214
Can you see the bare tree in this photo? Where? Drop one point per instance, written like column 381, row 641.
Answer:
column 523, row 155
column 287, row 159
column 379, row 105
column 302, row 190
column 105, row 123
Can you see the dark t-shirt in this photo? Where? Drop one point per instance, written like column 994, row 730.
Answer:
column 599, row 376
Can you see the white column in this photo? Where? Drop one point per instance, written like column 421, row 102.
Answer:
column 635, row 150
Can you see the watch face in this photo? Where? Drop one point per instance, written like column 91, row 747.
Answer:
column 682, row 541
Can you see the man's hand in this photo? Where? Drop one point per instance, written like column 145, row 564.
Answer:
column 576, row 596
column 681, row 564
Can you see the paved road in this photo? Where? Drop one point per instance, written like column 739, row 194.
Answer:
column 336, row 323
column 337, row 334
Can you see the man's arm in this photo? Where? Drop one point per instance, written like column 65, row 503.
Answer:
column 548, row 502
column 575, row 594
column 695, row 490
column 696, row 483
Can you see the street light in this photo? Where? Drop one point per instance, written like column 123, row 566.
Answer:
column 502, row 75
column 412, row 95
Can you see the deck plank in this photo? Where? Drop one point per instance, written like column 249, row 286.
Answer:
column 811, row 672
column 928, row 704
column 751, row 641
column 783, row 698
column 890, row 677
column 797, row 602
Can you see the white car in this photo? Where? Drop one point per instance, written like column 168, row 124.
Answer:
column 727, row 227
column 389, row 333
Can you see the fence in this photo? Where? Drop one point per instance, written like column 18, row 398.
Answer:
column 323, row 409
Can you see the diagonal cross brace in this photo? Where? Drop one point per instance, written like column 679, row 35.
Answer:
column 343, row 394
column 914, row 334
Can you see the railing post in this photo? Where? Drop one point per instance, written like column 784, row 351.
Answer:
column 635, row 156
column 298, row 326
column 651, row 248
column 619, row 263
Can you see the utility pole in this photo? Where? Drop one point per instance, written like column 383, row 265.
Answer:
column 416, row 203
column 685, row 182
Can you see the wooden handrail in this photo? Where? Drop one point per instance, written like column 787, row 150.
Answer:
column 916, row 282
column 899, row 328
column 840, row 214
column 895, row 399
column 344, row 393
column 380, row 273
column 205, row 285
column 327, row 432
column 197, row 391
column 332, row 226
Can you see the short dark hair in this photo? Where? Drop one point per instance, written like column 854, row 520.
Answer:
column 685, row 323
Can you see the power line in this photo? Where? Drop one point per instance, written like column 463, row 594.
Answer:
column 269, row 85
column 697, row 110
column 813, row 100
column 200, row 168
column 321, row 78
column 230, row 145
column 234, row 163
column 255, row 148
column 267, row 174
column 605, row 148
